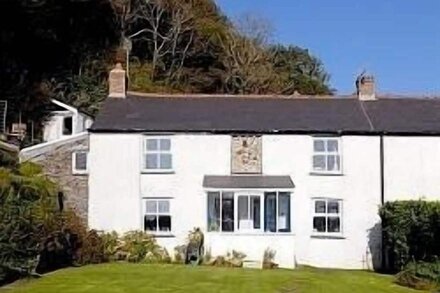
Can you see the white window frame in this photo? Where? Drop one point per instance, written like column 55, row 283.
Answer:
column 80, row 171
column 326, row 215
column 145, row 152
column 157, row 214
column 326, row 153
column 236, row 210
column 259, row 193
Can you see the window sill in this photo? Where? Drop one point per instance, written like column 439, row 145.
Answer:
column 158, row 172
column 80, row 173
column 161, row 235
column 327, row 236
column 317, row 173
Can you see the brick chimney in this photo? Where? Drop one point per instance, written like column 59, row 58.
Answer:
column 365, row 87
column 116, row 81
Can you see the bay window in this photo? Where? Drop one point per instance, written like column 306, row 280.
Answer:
column 248, row 211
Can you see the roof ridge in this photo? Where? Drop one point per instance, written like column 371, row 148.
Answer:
column 244, row 96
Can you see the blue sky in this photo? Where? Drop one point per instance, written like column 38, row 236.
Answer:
column 396, row 40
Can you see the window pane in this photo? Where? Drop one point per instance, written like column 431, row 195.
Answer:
column 331, row 163
column 165, row 144
column 152, row 144
column 151, row 206
column 333, row 224
column 318, row 162
column 333, row 207
column 243, row 212
column 150, row 223
column 256, row 211
column 319, row 224
column 165, row 223
column 320, row 206
column 164, row 206
column 318, row 145
column 165, row 161
column 270, row 212
column 228, row 212
column 213, row 211
column 332, row 145
column 151, row 161
column 284, row 212
column 67, row 126
column 81, row 161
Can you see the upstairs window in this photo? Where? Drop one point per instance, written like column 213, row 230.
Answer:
column 80, row 162
column 326, row 155
column 68, row 125
column 327, row 216
column 157, row 154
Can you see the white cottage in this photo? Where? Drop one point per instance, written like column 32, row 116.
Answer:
column 303, row 176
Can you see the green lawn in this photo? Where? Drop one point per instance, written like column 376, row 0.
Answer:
column 122, row 277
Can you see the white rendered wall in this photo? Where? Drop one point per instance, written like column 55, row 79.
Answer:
column 412, row 168
column 358, row 187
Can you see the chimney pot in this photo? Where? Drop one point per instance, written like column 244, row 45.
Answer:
column 116, row 82
column 366, row 89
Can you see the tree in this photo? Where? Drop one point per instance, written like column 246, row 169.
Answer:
column 299, row 71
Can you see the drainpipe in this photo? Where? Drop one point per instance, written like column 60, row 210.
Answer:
column 382, row 199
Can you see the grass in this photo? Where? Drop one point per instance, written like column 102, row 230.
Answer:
column 124, row 277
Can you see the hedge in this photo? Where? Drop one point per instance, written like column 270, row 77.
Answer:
column 411, row 232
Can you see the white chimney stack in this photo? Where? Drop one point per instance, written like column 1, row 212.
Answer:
column 116, row 81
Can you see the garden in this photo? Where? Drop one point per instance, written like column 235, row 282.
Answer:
column 47, row 248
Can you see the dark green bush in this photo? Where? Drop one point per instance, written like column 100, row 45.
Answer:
column 411, row 231
column 420, row 275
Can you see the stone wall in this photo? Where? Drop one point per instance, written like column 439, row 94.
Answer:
column 246, row 152
column 56, row 160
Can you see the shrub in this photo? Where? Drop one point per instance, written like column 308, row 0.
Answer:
column 111, row 244
column 268, row 259
column 411, row 231
column 420, row 275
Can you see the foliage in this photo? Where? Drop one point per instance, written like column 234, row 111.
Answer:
column 174, row 46
column 420, row 275
column 138, row 246
column 27, row 205
column 411, row 231
column 231, row 259
column 123, row 277
column 268, row 259
column 110, row 243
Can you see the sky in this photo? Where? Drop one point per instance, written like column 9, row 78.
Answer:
column 398, row 41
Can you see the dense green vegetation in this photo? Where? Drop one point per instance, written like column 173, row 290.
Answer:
column 411, row 235
column 123, row 277
column 64, row 50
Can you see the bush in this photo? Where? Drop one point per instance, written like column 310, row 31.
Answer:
column 411, row 231
column 420, row 275
column 268, row 259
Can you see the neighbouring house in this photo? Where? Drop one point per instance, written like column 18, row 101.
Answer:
column 64, row 154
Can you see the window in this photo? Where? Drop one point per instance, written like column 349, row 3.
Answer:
column 327, row 216
column 326, row 155
column 221, row 211
column 157, row 155
column 79, row 162
column 68, row 125
column 252, row 210
column 249, row 214
column 157, row 216
column 277, row 211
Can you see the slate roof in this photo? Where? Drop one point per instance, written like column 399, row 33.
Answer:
column 250, row 114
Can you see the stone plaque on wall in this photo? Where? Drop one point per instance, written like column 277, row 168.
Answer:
column 246, row 154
